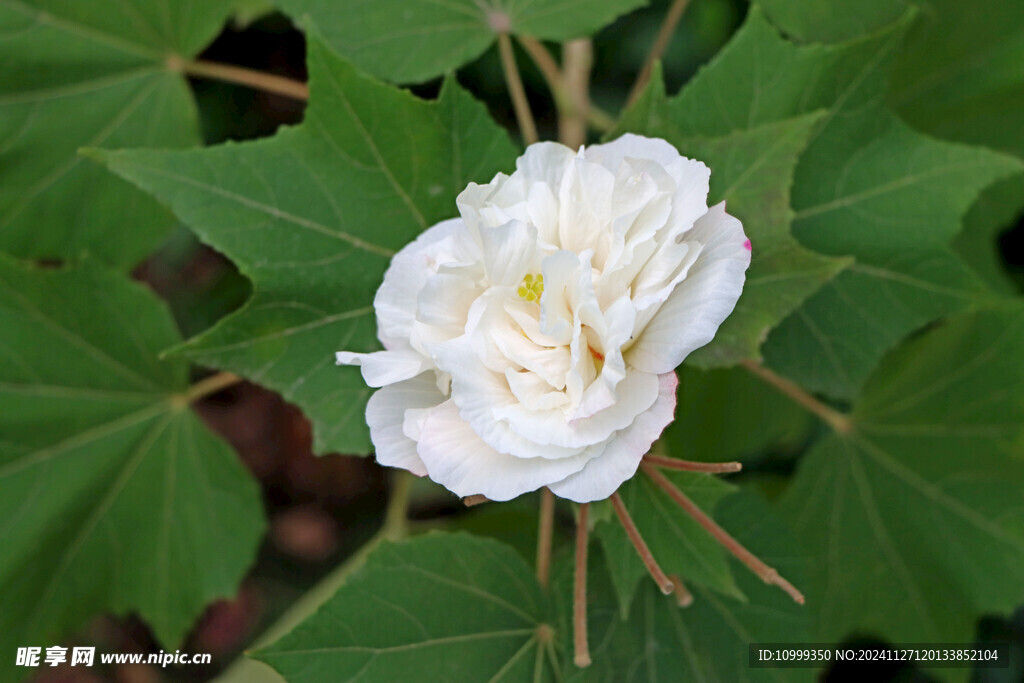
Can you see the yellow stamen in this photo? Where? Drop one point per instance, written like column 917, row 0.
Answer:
column 532, row 287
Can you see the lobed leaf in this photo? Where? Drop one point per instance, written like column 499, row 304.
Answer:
column 410, row 41
column 457, row 606
column 78, row 74
column 113, row 496
column 913, row 520
column 312, row 217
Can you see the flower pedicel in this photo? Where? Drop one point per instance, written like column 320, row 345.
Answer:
column 532, row 342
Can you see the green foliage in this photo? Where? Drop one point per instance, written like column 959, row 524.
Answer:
column 752, row 170
column 78, row 74
column 708, row 640
column 313, row 216
column 862, row 173
column 455, row 606
column 416, row 40
column 729, row 414
column 913, row 520
column 833, row 21
column 114, row 497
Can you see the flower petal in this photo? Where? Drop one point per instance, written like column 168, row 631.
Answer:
column 395, row 302
column 458, row 459
column 385, row 414
column 603, row 475
column 698, row 305
column 381, row 368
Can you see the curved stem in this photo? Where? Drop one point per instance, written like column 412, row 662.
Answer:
column 211, row 385
column 516, row 90
column 545, row 532
column 839, row 422
column 668, row 27
column 597, row 118
column 238, row 75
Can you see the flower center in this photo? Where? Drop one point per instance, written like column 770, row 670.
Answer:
column 532, row 287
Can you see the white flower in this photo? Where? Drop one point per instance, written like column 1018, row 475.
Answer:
column 533, row 341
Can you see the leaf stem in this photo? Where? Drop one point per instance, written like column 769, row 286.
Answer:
column 835, row 419
column 578, row 57
column 545, row 532
column 210, row 385
column 664, row 583
column 767, row 574
column 581, row 648
column 597, row 118
column 668, row 28
column 238, row 75
column 691, row 466
column 516, row 90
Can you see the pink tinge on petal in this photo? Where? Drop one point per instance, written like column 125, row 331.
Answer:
column 747, row 245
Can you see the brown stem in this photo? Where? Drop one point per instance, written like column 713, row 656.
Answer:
column 581, row 648
column 229, row 73
column 545, row 531
column 836, row 420
column 768, row 574
column 578, row 56
column 684, row 598
column 516, row 91
column 546, row 64
column 668, row 27
column 477, row 499
column 664, row 583
column 691, row 466
column 210, row 385
column 597, row 118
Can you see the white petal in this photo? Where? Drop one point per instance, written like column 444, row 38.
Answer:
column 385, row 367
column 611, row 154
column 698, row 305
column 385, row 414
column 545, row 162
column 459, row 460
column 603, row 475
column 395, row 302
column 550, row 428
column 479, row 392
column 510, row 252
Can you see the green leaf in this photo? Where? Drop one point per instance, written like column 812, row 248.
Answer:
column 832, row 21
column 454, row 607
column 960, row 74
column 679, row 544
column 913, row 521
column 895, row 202
column 752, row 170
column 312, row 217
column 867, row 186
column 415, row 40
column 729, row 414
column 78, row 74
column 113, row 496
column 996, row 210
column 708, row 640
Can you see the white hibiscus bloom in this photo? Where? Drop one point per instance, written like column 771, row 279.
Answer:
column 533, row 341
